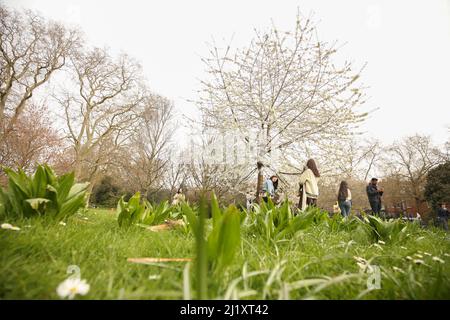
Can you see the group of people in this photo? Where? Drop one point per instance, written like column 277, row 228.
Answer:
column 309, row 190
column 308, row 186
column 309, row 193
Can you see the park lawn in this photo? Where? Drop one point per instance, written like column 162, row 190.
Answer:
column 34, row 260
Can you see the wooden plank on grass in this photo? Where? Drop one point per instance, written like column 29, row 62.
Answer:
column 167, row 225
column 156, row 260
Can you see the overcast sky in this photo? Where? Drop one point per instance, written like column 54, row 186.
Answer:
column 406, row 44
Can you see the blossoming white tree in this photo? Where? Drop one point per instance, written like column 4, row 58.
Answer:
column 285, row 89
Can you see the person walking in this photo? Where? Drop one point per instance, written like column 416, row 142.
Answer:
column 374, row 195
column 344, row 199
column 442, row 216
column 269, row 188
column 309, row 189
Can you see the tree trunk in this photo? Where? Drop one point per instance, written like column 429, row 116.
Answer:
column 259, row 181
column 88, row 194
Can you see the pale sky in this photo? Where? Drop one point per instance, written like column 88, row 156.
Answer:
column 406, row 44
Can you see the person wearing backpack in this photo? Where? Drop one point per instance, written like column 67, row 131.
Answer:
column 344, row 199
column 309, row 189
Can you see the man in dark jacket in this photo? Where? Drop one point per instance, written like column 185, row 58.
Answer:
column 442, row 216
column 374, row 194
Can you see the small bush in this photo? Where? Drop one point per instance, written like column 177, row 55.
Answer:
column 41, row 194
column 135, row 212
column 106, row 193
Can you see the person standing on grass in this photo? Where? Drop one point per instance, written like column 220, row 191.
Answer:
column 249, row 200
column 374, row 194
column 442, row 216
column 309, row 189
column 344, row 199
column 178, row 197
column 269, row 188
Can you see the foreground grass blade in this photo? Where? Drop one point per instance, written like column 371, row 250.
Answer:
column 202, row 258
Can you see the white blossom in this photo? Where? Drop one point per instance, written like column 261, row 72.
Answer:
column 437, row 259
column 8, row 226
column 70, row 287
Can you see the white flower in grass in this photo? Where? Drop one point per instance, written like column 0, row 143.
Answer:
column 381, row 242
column 427, row 254
column 418, row 261
column 418, row 256
column 8, row 226
column 404, row 248
column 70, row 287
column 446, row 254
column 437, row 259
column 409, row 258
column 62, row 223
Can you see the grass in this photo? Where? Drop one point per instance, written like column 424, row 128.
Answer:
column 317, row 263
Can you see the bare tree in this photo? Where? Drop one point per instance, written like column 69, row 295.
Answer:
column 101, row 113
column 410, row 160
column 284, row 89
column 176, row 177
column 148, row 162
column 31, row 51
column 32, row 140
column 349, row 159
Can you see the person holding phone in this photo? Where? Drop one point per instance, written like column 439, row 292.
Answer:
column 374, row 195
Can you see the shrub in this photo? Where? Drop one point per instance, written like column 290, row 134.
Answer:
column 388, row 230
column 106, row 193
column 135, row 212
column 277, row 223
column 41, row 194
column 437, row 188
column 214, row 251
